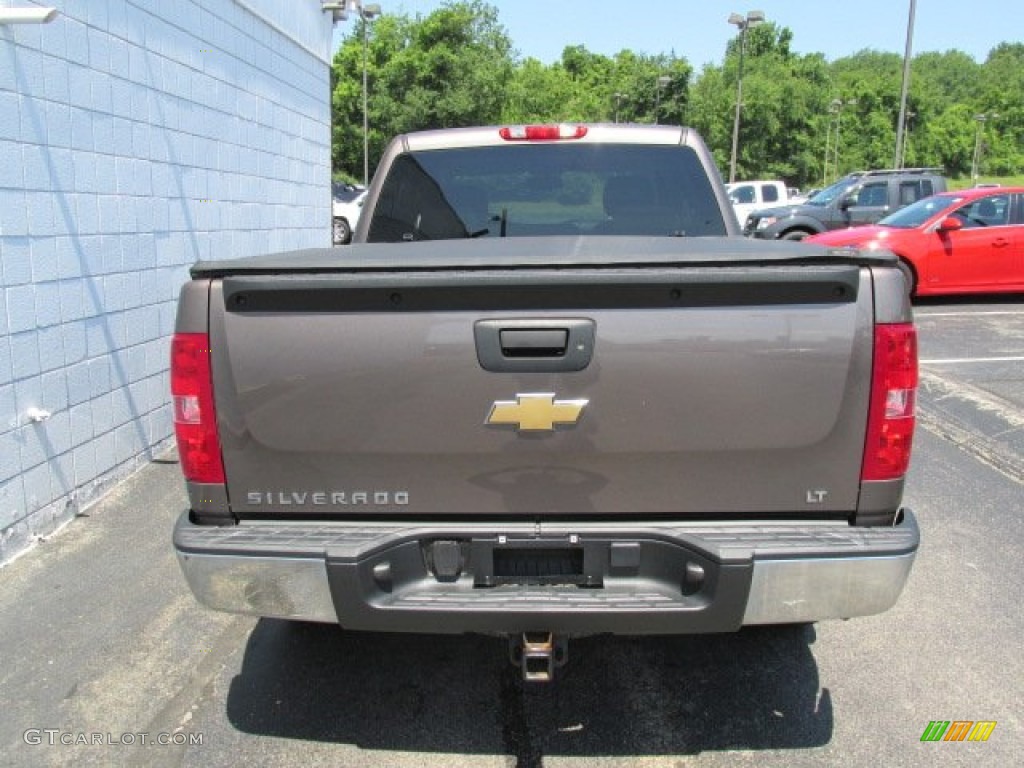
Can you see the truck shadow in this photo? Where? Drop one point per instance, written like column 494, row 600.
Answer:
column 756, row 689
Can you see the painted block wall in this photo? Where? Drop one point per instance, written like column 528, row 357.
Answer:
column 136, row 136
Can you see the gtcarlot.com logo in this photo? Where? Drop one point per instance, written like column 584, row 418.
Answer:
column 53, row 737
column 958, row 730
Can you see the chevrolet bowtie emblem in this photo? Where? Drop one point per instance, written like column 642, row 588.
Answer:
column 535, row 412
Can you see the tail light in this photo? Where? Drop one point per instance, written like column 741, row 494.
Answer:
column 195, row 421
column 893, row 398
column 542, row 132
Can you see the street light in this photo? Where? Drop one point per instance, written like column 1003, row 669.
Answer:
column 976, row 161
column 663, row 81
column 33, row 15
column 901, row 123
column 366, row 12
column 838, row 105
column 752, row 19
column 906, row 139
column 618, row 98
column 832, row 109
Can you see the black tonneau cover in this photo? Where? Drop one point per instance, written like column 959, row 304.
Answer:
column 552, row 253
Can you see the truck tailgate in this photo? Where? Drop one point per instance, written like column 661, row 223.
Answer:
column 705, row 391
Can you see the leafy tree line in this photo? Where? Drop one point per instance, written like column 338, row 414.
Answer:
column 804, row 119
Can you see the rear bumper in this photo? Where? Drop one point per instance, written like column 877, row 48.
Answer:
column 656, row 578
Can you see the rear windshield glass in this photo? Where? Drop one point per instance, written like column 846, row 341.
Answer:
column 546, row 189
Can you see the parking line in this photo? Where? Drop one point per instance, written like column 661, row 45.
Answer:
column 1012, row 313
column 967, row 360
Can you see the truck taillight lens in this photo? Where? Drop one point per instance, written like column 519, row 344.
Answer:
column 893, row 398
column 195, row 421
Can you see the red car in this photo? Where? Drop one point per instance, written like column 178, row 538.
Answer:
column 969, row 241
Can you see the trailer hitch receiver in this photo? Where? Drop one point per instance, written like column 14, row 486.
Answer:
column 538, row 654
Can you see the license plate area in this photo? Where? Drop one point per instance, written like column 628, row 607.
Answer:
column 536, row 563
column 538, row 566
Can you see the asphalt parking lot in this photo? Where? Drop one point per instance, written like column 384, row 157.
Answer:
column 972, row 388
column 102, row 640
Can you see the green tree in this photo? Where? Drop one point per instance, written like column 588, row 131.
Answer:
column 456, row 66
column 446, row 70
column 712, row 101
column 592, row 87
column 784, row 109
column 536, row 94
column 1002, row 93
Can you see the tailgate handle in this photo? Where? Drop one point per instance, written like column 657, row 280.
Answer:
column 528, row 342
column 535, row 345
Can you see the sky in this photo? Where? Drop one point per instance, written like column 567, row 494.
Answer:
column 698, row 31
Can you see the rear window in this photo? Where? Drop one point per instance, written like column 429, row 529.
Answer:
column 742, row 195
column 546, row 189
column 912, row 191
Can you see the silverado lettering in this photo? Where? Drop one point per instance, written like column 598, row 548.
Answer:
column 324, row 498
column 608, row 411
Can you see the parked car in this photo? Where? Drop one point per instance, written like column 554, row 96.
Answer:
column 344, row 192
column 862, row 197
column 347, row 205
column 749, row 196
column 971, row 241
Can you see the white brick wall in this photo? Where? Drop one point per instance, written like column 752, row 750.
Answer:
column 136, row 136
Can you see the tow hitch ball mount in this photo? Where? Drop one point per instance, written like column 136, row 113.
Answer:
column 537, row 654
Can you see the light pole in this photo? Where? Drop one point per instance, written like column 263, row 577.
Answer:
column 897, row 161
column 752, row 19
column 906, row 139
column 976, row 160
column 662, row 81
column 618, row 98
column 832, row 109
column 366, row 12
column 839, row 104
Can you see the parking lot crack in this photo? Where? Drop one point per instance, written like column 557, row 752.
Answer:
column 982, row 424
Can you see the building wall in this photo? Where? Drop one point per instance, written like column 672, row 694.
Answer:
column 136, row 136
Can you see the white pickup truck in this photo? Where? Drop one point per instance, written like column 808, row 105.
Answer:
column 749, row 196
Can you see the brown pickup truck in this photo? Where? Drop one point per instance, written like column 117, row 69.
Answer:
column 549, row 391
